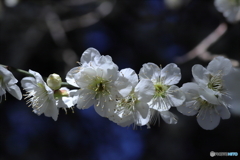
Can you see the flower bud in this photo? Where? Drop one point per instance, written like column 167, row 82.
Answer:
column 54, row 81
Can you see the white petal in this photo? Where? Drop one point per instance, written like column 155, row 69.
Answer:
column 160, row 104
column 123, row 121
column 170, row 74
column 15, row 91
column 51, row 110
column 150, row 71
column 131, row 75
column 8, row 77
column 200, row 74
column 208, row 95
column 37, row 76
column 105, row 108
column 123, row 86
column 190, row 90
column 108, row 72
column 145, row 90
column 105, row 60
column 175, row 96
column 169, row 117
column 140, row 120
column 220, row 65
column 86, row 77
column 70, row 78
column 75, row 95
column 189, row 108
column 86, row 99
column 89, row 55
column 2, row 92
column 28, row 83
column 143, row 109
column 208, row 119
column 223, row 112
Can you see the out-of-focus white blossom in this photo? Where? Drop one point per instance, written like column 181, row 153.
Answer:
column 99, row 81
column 229, row 8
column 175, row 4
column 167, row 94
column 11, row 3
column 134, row 108
column 211, row 79
column 203, row 103
column 232, row 81
column 8, row 82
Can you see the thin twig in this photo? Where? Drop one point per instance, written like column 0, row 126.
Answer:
column 203, row 46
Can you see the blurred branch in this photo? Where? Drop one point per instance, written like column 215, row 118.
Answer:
column 90, row 18
column 201, row 49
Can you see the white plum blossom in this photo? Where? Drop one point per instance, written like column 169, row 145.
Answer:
column 229, row 8
column 205, row 104
column 42, row 98
column 99, row 81
column 211, row 79
column 167, row 94
column 134, row 108
column 8, row 82
column 231, row 82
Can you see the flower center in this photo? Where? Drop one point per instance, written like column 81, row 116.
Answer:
column 215, row 83
column 128, row 102
column 99, row 86
column 205, row 104
column 160, row 90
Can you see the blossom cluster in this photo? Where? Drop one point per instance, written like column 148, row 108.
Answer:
column 127, row 98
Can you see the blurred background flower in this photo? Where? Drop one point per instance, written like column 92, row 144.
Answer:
column 229, row 8
column 49, row 36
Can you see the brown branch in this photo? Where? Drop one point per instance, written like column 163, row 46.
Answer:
column 202, row 47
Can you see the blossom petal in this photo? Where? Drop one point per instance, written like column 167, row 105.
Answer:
column 145, row 90
column 131, row 75
column 189, row 108
column 150, row 71
column 70, row 78
column 208, row 95
column 123, row 86
column 7, row 76
column 15, row 91
column 51, row 111
column 169, row 117
column 200, row 74
column 104, row 109
column 141, row 120
column 37, row 76
column 89, row 55
column 220, row 65
column 160, row 104
column 2, row 92
column 28, row 83
column 86, row 99
column 223, row 112
column 170, row 74
column 208, row 119
column 123, row 121
column 175, row 96
column 143, row 109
